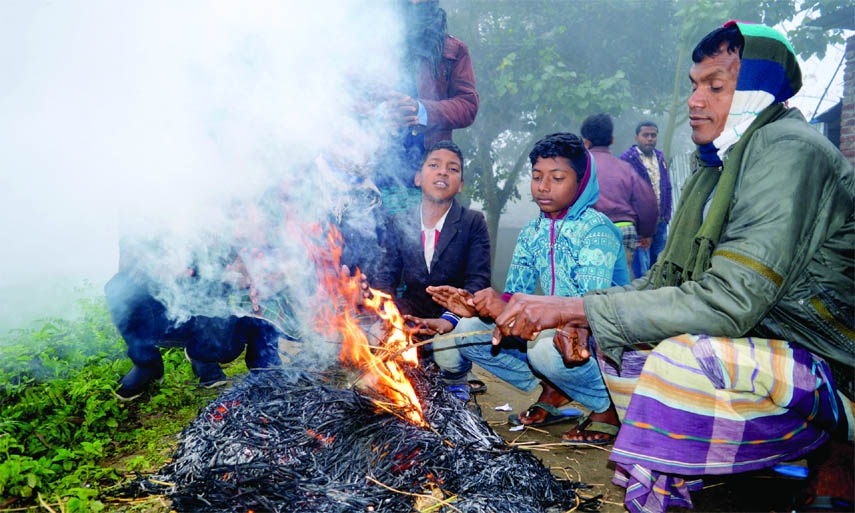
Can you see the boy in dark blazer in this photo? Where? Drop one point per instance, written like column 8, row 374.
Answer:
column 438, row 243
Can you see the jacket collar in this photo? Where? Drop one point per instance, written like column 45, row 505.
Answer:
column 449, row 230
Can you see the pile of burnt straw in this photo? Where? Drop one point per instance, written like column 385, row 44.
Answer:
column 295, row 441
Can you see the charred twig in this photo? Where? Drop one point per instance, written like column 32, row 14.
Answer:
column 437, row 338
column 288, row 441
column 420, row 495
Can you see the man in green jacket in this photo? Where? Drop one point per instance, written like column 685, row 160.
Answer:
column 742, row 336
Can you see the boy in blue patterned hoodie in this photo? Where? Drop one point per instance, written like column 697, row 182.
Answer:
column 569, row 249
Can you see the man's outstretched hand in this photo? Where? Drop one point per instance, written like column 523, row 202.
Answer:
column 401, row 112
column 525, row 315
column 364, row 291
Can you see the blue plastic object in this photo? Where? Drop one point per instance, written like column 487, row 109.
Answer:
column 791, row 470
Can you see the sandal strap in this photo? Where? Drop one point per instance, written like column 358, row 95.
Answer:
column 548, row 408
column 586, row 424
column 603, row 427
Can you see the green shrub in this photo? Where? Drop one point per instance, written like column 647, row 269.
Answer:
column 63, row 433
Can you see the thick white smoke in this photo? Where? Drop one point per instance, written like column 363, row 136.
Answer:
column 154, row 119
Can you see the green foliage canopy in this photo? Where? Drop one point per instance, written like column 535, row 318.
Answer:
column 543, row 65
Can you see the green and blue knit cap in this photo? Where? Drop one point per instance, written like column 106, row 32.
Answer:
column 768, row 62
column 769, row 73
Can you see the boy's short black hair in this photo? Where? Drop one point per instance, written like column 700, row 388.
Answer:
column 444, row 145
column 562, row 144
column 644, row 124
column 710, row 45
column 598, row 129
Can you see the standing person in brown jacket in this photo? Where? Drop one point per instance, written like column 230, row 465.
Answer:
column 625, row 197
column 435, row 94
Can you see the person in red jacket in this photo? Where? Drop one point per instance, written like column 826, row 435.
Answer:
column 434, row 95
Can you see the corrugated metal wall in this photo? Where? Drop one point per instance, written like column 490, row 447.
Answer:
column 680, row 168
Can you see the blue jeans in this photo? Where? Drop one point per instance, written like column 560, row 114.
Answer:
column 142, row 321
column 645, row 257
column 509, row 363
column 447, row 356
column 583, row 382
column 523, row 364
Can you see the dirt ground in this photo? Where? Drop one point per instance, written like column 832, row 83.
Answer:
column 762, row 491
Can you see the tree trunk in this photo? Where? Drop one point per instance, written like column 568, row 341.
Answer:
column 675, row 103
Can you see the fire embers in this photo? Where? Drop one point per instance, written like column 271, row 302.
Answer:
column 279, row 442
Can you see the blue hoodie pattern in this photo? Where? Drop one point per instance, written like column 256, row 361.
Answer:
column 569, row 256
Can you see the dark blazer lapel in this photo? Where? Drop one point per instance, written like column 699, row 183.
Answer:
column 449, row 231
column 413, row 248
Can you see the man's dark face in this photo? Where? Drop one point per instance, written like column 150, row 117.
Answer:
column 713, row 86
column 646, row 139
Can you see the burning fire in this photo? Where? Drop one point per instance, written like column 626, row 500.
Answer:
column 337, row 314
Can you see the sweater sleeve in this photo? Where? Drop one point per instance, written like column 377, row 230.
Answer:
column 597, row 256
column 776, row 222
column 522, row 273
column 644, row 204
column 461, row 106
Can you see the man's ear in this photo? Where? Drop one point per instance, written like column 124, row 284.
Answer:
column 612, row 141
column 587, row 143
column 460, row 187
column 418, row 179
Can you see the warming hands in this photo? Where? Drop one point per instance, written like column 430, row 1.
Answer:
column 485, row 303
column 526, row 315
column 363, row 291
column 428, row 327
column 460, row 302
column 402, row 111
column 489, row 303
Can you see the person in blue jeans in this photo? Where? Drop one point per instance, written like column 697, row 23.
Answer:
column 569, row 249
column 143, row 322
column 650, row 164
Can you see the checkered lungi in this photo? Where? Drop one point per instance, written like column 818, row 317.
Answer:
column 630, row 236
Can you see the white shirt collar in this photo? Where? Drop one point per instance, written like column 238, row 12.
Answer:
column 439, row 224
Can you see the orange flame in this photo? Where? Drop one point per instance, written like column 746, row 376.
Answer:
column 337, row 315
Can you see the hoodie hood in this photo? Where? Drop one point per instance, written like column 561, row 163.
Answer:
column 587, row 193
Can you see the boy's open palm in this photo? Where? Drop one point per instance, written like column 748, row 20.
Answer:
column 456, row 301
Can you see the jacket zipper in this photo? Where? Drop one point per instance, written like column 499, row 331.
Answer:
column 552, row 253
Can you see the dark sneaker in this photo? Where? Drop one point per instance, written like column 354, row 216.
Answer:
column 214, row 382
column 136, row 381
column 210, row 374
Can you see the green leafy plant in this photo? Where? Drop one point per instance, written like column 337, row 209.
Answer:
column 64, row 437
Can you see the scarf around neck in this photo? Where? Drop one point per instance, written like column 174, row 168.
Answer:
column 769, row 74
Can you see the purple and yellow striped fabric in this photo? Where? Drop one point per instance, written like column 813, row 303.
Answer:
column 705, row 405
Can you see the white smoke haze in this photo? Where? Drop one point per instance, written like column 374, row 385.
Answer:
column 152, row 120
